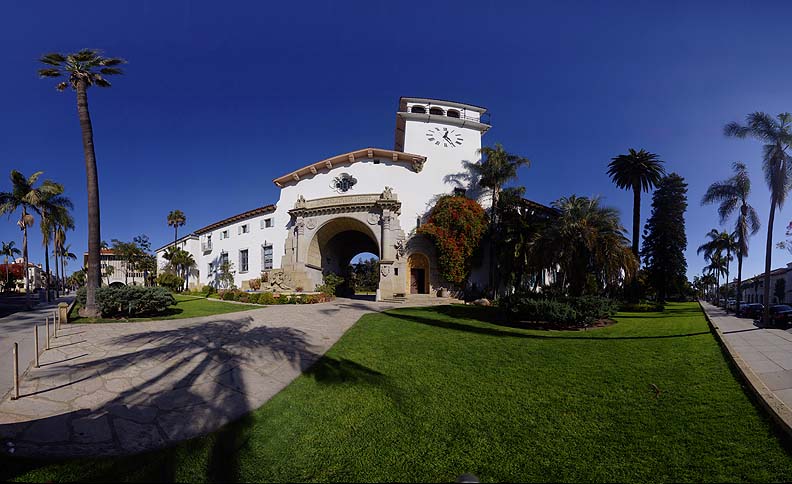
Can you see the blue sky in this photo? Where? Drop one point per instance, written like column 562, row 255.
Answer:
column 219, row 98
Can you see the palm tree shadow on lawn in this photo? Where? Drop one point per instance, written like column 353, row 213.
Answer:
column 195, row 380
column 484, row 315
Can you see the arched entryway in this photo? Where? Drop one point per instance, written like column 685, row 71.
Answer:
column 418, row 274
column 334, row 246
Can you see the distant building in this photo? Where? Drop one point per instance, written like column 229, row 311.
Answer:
column 119, row 275
column 753, row 287
column 35, row 274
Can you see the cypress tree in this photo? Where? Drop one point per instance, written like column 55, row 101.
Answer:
column 665, row 240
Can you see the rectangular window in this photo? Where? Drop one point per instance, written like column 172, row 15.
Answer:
column 224, row 234
column 266, row 223
column 210, row 269
column 266, row 256
column 243, row 260
column 243, row 229
column 224, row 258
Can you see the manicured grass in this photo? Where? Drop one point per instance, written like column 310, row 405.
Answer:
column 185, row 307
column 428, row 394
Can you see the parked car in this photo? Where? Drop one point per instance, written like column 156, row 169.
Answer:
column 730, row 304
column 751, row 310
column 781, row 315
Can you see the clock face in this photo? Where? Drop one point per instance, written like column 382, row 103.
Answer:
column 444, row 137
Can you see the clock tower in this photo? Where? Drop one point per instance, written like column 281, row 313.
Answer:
column 447, row 133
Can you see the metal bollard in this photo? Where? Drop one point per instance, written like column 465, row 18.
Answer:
column 54, row 327
column 35, row 338
column 16, row 371
column 46, row 325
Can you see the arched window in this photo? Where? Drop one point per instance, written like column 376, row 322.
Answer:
column 418, row 109
column 452, row 113
column 437, row 111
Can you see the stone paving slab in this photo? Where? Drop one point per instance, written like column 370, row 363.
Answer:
column 767, row 353
column 120, row 388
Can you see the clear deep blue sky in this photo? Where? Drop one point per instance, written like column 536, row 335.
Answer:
column 221, row 97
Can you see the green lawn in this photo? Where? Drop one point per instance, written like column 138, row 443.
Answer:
column 185, row 307
column 430, row 393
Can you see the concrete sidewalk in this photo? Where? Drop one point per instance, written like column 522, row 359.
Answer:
column 767, row 352
column 18, row 328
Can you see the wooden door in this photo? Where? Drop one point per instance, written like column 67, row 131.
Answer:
column 417, row 280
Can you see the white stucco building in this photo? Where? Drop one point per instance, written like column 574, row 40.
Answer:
column 366, row 200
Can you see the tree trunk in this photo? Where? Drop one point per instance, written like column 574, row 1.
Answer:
column 728, row 258
column 5, row 288
column 25, row 257
column 46, row 270
column 768, row 261
column 739, row 281
column 636, row 229
column 92, row 181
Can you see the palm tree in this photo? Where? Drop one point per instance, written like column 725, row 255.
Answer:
column 176, row 219
column 61, row 226
column 586, row 241
column 497, row 167
column 26, row 197
column 716, row 268
column 8, row 249
column 84, row 69
column 66, row 255
column 53, row 208
column 777, row 166
column 732, row 194
column 719, row 242
column 638, row 171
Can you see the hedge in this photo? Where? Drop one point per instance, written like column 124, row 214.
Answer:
column 129, row 301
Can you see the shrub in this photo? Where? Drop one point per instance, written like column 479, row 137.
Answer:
column 283, row 299
column 227, row 295
column 330, row 282
column 242, row 297
column 253, row 297
column 580, row 311
column 208, row 290
column 170, row 281
column 641, row 307
column 255, row 284
column 267, row 298
column 130, row 301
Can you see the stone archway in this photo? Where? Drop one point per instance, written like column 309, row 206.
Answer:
column 325, row 233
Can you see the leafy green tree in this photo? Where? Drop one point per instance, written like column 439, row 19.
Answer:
column 225, row 274
column 108, row 271
column 776, row 136
column 180, row 262
column 665, row 241
column 82, row 70
column 8, row 249
column 27, row 198
column 176, row 219
column 639, row 171
column 587, row 245
column 732, row 195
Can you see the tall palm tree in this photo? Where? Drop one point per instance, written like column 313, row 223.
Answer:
column 716, row 268
column 8, row 249
column 496, row 168
column 62, row 225
column 718, row 243
column 27, row 198
column 53, row 208
column 638, row 171
column 176, row 219
column 66, row 255
column 776, row 136
column 82, row 70
column 732, row 195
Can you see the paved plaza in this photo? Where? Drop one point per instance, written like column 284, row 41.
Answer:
column 108, row 389
column 767, row 351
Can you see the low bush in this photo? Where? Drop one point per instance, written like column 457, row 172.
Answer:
column 130, row 301
column 227, row 295
column 255, row 284
column 330, row 282
column 253, row 297
column 267, row 298
column 170, row 281
column 242, row 297
column 282, row 299
column 642, row 307
column 575, row 311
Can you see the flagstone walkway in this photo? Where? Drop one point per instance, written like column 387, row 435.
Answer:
column 767, row 352
column 108, row 389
